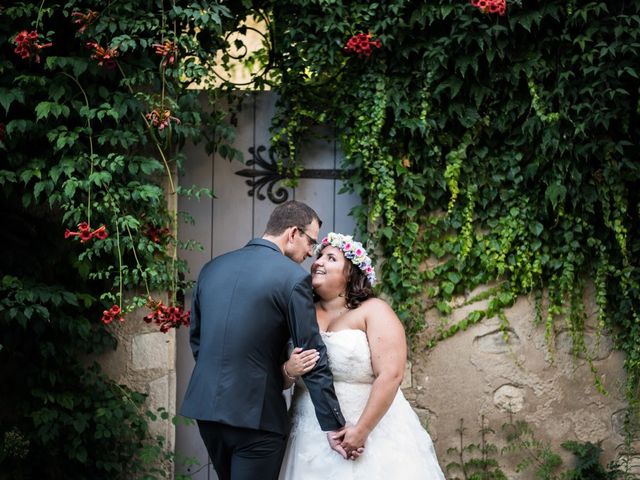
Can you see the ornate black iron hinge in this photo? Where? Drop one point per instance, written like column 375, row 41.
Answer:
column 272, row 173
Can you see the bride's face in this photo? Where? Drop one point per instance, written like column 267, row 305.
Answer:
column 328, row 272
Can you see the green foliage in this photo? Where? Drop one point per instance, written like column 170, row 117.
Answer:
column 484, row 467
column 479, row 462
column 154, row 455
column 82, row 142
column 493, row 149
column 490, row 149
column 65, row 415
column 587, row 462
column 537, row 454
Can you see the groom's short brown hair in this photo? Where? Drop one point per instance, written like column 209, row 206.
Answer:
column 290, row 214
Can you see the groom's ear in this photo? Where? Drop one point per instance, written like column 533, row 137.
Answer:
column 291, row 233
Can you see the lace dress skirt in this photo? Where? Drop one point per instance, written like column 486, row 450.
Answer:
column 398, row 447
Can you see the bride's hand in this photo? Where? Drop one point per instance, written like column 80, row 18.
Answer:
column 337, row 443
column 301, row 361
column 353, row 440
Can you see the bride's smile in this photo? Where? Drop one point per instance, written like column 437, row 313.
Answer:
column 328, row 271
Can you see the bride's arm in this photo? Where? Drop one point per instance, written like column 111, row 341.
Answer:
column 388, row 359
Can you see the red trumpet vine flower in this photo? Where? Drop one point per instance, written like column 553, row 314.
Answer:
column 109, row 315
column 491, row 6
column 85, row 233
column 168, row 51
column 361, row 44
column 165, row 316
column 105, row 56
column 156, row 234
column 28, row 45
column 161, row 118
column 83, row 20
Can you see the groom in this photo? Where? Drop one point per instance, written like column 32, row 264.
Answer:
column 246, row 305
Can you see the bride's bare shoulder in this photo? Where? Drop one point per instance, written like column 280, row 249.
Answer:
column 374, row 302
column 376, row 306
column 381, row 322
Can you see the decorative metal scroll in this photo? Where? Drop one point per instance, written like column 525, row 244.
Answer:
column 251, row 40
column 271, row 173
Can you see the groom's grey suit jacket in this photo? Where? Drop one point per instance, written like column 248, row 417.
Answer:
column 246, row 306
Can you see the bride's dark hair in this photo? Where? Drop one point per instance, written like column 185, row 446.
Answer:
column 358, row 286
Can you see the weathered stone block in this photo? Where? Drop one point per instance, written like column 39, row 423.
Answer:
column 150, row 351
column 509, row 398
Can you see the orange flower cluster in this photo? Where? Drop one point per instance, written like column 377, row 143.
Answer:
column 361, row 44
column 85, row 233
column 28, row 46
column 165, row 316
column 161, row 118
column 491, row 6
column 83, row 20
column 109, row 315
column 168, row 51
column 105, row 56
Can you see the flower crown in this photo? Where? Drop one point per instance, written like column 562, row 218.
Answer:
column 352, row 250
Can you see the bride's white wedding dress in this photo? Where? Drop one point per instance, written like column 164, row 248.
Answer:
column 397, row 448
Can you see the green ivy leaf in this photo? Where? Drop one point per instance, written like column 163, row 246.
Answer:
column 555, row 193
column 46, row 108
column 8, row 96
column 447, row 287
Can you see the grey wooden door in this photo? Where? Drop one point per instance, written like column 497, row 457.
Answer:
column 234, row 216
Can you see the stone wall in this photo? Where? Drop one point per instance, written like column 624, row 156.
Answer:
column 483, row 373
column 145, row 362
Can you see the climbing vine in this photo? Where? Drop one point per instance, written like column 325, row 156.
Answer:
column 95, row 105
column 492, row 142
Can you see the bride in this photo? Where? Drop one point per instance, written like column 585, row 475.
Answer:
column 367, row 353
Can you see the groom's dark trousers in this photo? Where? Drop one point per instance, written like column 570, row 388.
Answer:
column 243, row 451
column 245, row 307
